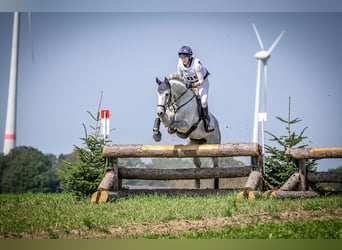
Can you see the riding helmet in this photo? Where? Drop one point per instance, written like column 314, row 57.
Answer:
column 185, row 50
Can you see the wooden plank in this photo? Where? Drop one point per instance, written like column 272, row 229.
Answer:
column 314, row 153
column 182, row 151
column 183, row 174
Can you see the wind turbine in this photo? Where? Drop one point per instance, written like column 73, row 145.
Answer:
column 10, row 136
column 262, row 56
column 10, row 129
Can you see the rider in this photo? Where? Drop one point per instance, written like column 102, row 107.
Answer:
column 195, row 76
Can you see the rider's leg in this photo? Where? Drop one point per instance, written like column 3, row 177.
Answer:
column 208, row 126
column 203, row 90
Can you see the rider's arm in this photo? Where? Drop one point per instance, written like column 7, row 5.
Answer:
column 179, row 68
column 198, row 69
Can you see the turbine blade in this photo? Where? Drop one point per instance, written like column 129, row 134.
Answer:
column 269, row 51
column 258, row 36
column 30, row 35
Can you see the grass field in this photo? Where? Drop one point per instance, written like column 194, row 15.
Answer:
column 62, row 216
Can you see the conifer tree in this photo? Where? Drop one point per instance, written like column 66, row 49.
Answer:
column 278, row 167
column 83, row 176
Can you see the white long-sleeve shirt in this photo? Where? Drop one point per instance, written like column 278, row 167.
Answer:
column 195, row 72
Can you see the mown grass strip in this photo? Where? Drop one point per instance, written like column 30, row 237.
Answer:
column 63, row 215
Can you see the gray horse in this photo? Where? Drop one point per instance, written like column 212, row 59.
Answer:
column 179, row 110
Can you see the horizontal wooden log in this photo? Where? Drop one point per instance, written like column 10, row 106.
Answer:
column 294, row 194
column 184, row 151
column 183, row 174
column 314, row 153
column 324, row 177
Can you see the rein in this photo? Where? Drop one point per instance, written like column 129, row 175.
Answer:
column 173, row 104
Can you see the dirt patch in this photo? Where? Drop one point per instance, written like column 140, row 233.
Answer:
column 176, row 227
column 179, row 226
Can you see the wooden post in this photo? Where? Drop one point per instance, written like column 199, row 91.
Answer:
column 254, row 180
column 110, row 180
column 117, row 185
column 302, row 174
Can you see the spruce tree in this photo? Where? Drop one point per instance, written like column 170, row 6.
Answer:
column 83, row 176
column 278, row 167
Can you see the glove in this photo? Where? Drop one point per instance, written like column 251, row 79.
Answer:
column 189, row 85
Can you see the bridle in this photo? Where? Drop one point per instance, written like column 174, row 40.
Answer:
column 172, row 106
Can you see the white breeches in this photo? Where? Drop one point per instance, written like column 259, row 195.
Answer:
column 203, row 90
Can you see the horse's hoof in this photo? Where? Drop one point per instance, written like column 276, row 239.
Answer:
column 157, row 137
column 171, row 130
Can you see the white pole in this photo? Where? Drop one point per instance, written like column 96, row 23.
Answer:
column 262, row 117
column 10, row 136
column 257, row 102
column 105, row 116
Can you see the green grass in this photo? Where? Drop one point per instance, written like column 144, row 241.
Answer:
column 65, row 216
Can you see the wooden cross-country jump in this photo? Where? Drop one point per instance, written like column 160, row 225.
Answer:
column 302, row 183
column 112, row 181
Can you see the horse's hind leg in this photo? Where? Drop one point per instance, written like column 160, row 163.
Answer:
column 216, row 165
column 197, row 163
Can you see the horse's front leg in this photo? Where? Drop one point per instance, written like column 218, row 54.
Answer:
column 156, row 132
column 156, row 126
column 180, row 125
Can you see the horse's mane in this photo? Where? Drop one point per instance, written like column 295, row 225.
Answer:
column 175, row 76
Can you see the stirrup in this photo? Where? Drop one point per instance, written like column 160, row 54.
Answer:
column 209, row 128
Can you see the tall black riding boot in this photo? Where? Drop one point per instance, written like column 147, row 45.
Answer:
column 207, row 125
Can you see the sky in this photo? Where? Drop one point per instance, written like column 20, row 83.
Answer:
column 76, row 55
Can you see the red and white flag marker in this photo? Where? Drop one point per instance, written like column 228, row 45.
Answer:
column 105, row 116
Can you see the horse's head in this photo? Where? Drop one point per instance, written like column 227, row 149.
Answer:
column 164, row 96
